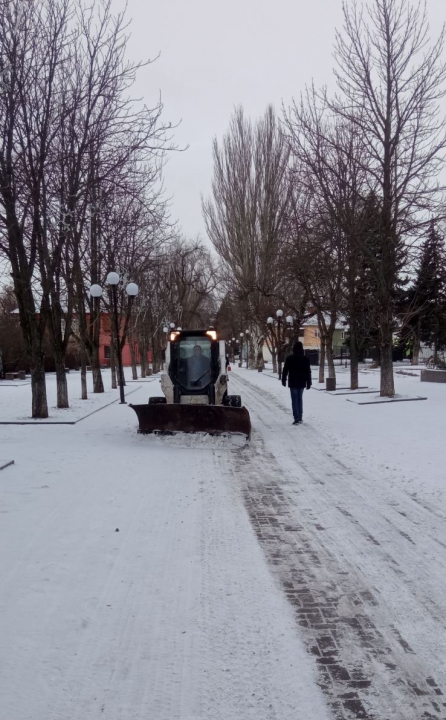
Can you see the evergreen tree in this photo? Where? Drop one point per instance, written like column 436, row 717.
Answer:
column 366, row 286
column 430, row 292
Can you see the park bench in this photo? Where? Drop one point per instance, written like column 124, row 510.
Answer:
column 21, row 375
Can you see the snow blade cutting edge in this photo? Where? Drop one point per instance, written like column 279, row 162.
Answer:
column 211, row 419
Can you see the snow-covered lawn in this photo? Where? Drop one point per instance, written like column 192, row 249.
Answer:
column 404, row 442
column 189, row 579
column 133, row 586
column 15, row 398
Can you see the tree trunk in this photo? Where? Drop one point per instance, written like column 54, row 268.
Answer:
column 155, row 356
column 330, row 358
column 59, row 344
column 61, row 379
column 387, row 388
column 98, row 385
column 252, row 356
column 436, row 358
column 84, row 363
column 38, row 386
column 354, row 363
column 322, row 362
column 274, row 358
column 143, row 353
column 416, row 350
column 133, row 357
column 260, row 361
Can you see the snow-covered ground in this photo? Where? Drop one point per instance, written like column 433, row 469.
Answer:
column 176, row 616
column 356, row 499
column 300, row 577
column 15, row 398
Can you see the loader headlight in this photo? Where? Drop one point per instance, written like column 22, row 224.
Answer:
column 173, row 336
column 212, row 334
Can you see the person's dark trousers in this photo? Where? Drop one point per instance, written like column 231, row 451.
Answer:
column 297, row 403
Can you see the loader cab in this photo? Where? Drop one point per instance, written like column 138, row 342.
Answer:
column 194, row 364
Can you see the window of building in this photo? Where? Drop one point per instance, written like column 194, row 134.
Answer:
column 107, row 352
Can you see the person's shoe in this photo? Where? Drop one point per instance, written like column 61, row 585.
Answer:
column 296, row 422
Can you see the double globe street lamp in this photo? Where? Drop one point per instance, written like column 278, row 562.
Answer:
column 240, row 360
column 132, row 290
column 280, row 337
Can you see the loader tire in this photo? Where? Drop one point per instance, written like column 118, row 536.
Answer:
column 234, row 401
column 157, row 400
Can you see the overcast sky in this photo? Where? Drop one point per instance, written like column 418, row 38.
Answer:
column 215, row 54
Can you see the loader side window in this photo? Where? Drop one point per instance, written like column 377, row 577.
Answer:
column 193, row 369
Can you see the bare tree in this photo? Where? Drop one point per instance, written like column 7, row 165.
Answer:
column 390, row 82
column 33, row 55
column 70, row 137
column 328, row 156
column 246, row 218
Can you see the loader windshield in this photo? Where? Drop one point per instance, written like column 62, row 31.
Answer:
column 194, row 362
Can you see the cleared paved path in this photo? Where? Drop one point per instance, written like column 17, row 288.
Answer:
column 361, row 561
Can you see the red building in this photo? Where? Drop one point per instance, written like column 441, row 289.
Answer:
column 105, row 341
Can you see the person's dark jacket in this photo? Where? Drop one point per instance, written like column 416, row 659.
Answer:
column 298, row 371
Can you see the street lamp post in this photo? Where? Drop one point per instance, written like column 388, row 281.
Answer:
column 233, row 350
column 290, row 323
column 132, row 290
column 163, row 357
column 241, row 351
column 270, row 322
column 247, row 348
column 279, row 315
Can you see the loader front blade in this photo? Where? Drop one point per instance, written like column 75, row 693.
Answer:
column 210, row 419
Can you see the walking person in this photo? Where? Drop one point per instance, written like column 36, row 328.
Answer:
column 298, row 371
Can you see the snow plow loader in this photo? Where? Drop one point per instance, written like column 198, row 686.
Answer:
column 195, row 387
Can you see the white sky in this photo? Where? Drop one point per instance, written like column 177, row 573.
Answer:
column 218, row 54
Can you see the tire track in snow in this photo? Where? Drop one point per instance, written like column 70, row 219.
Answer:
column 351, row 601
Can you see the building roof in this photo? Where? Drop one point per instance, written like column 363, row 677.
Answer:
column 341, row 323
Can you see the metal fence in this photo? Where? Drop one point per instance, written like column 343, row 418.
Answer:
column 427, row 354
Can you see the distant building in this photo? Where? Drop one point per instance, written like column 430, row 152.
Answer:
column 310, row 338
column 105, row 342
column 73, row 355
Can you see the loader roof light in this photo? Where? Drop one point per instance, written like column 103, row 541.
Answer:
column 173, row 336
column 212, row 334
